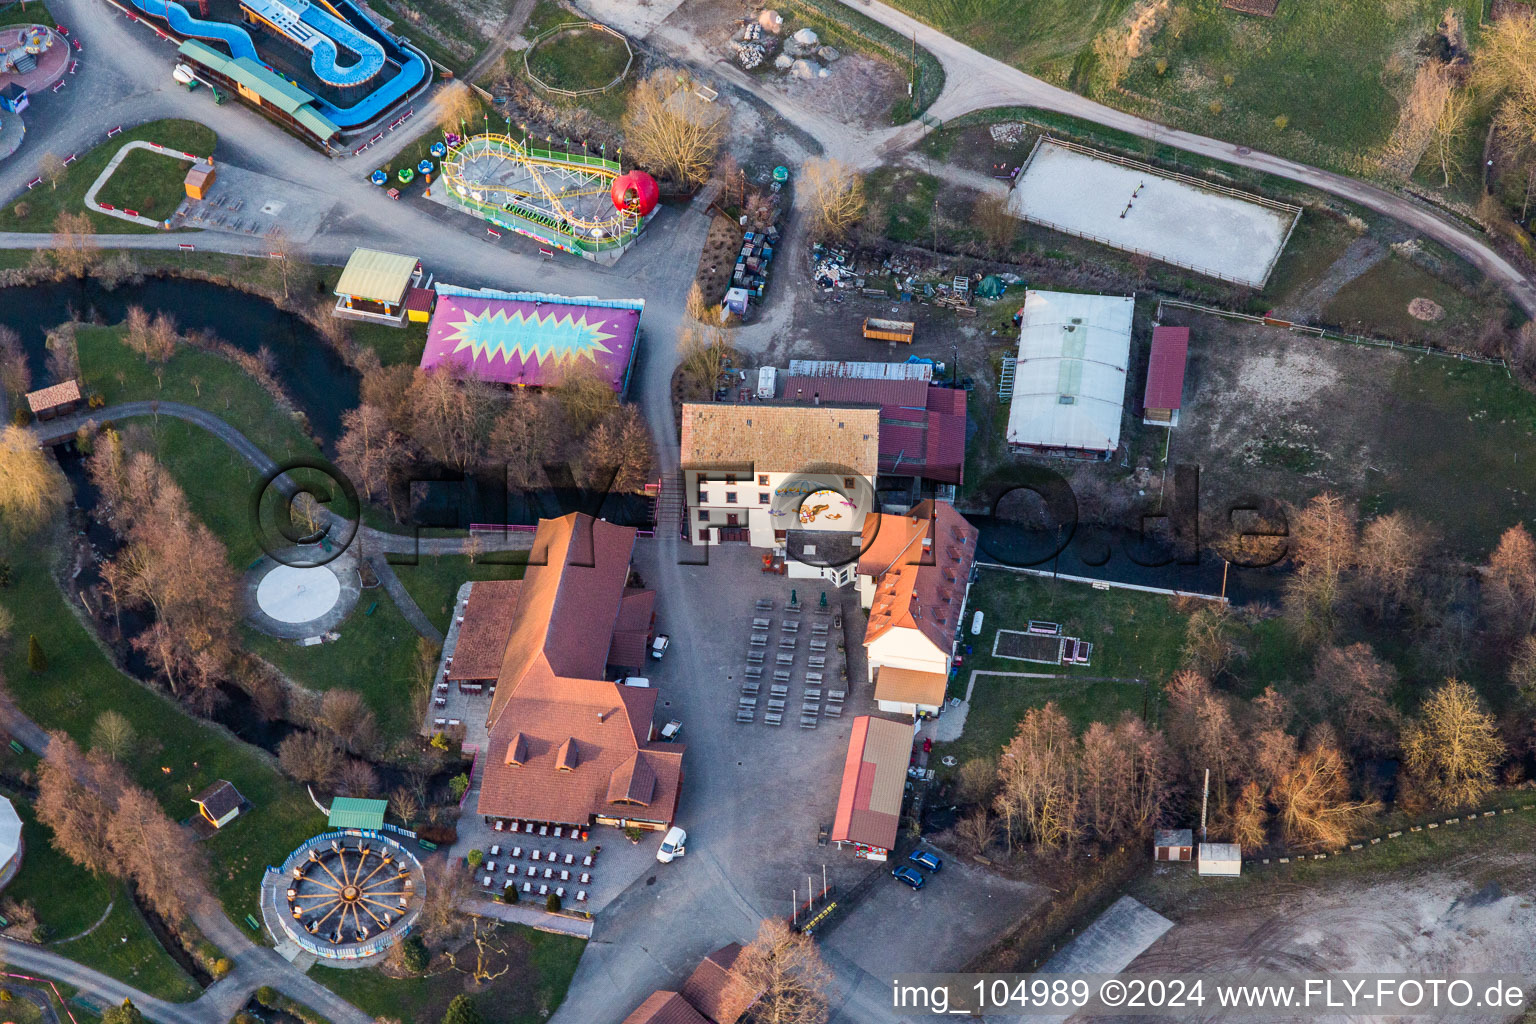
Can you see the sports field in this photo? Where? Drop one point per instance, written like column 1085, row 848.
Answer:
column 1221, row 233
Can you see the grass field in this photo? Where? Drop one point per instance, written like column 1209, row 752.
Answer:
column 37, row 209
column 1376, row 302
column 149, row 183
column 70, row 900
column 178, row 754
column 34, row 12
column 1135, row 636
column 1043, row 37
column 435, row 579
column 579, row 58
column 393, row 344
column 542, row 966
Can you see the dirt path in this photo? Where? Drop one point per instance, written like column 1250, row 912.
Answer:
column 1361, row 255
column 510, row 26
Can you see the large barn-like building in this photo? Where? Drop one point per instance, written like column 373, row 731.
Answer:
column 1069, row 382
column 566, row 745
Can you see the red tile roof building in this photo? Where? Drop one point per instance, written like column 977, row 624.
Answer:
column 914, row 572
column 1165, row 375
column 566, row 745
column 874, row 780
column 665, row 1008
column 708, row 986
column 922, row 426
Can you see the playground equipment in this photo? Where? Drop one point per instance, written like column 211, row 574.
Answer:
column 379, row 178
column 406, row 175
column 580, row 202
column 425, row 167
column 438, row 150
column 22, row 47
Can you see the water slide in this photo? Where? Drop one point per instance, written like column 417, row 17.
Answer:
column 371, row 44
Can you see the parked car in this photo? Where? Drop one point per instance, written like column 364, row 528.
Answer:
column 673, row 846
column 911, row 876
column 640, row 681
column 924, row 859
column 659, row 646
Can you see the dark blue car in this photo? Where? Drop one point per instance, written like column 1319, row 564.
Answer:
column 911, row 876
column 924, row 859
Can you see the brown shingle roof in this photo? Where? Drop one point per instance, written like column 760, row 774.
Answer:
column 917, row 587
column 782, row 438
column 43, row 399
column 665, row 1008
column 576, row 730
column 706, row 987
column 488, row 617
column 633, row 782
column 219, row 799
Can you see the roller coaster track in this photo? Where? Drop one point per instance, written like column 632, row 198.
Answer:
column 508, row 148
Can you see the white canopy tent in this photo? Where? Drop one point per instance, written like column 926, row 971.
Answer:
column 10, row 834
column 1069, row 383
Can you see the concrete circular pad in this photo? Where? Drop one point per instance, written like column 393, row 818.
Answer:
column 291, row 594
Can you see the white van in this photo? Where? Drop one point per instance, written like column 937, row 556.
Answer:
column 641, row 681
column 673, row 846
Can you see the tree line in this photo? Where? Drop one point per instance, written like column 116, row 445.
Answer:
column 1306, row 762
column 410, row 420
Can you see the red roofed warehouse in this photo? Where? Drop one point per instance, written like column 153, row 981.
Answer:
column 567, row 746
column 874, row 780
column 914, row 574
column 1165, row 376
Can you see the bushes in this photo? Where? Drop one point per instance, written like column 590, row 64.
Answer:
column 439, row 834
column 413, row 954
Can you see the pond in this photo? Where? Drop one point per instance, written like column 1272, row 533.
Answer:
column 322, row 384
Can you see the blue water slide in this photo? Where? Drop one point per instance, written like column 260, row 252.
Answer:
column 413, row 72
column 324, row 51
column 180, row 20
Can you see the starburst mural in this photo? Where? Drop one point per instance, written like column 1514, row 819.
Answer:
column 533, row 342
column 517, row 336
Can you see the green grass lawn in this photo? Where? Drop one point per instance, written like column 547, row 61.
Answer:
column 33, row 12
column 435, row 579
column 579, row 58
column 439, row 28
column 1134, row 636
column 393, row 344
column 1376, row 303
column 372, row 657
column 148, row 183
column 543, row 965
column 36, row 210
column 179, row 754
column 70, row 900
column 1042, row 37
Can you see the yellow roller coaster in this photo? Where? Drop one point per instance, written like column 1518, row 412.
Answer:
column 567, row 194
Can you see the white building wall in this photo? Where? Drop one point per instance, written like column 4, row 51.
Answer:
column 904, row 647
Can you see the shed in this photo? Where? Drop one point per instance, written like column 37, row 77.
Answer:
column 58, row 400
column 220, row 803
column 1165, row 376
column 200, row 179
column 1221, row 859
column 11, row 844
column 1173, row 844
column 1069, row 381
column 351, row 812
column 419, row 303
column 14, row 98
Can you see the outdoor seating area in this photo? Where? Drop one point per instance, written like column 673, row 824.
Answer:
column 530, row 861
column 796, row 663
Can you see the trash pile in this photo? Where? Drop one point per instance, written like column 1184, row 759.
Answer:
column 1008, row 131
column 801, row 52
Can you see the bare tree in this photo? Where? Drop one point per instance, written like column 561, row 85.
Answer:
column 526, row 438
column 113, row 735
column 280, row 252
column 32, row 490
column 1506, row 67
column 1200, row 725
column 1522, row 669
column 76, row 811
column 15, row 375
column 450, row 418
column 998, row 226
column 157, row 854
column 672, row 130
column 371, row 452
column 1313, row 805
column 1451, row 752
column 310, row 757
column 347, row 717
column 1037, row 780
column 52, row 168
column 1354, row 689
column 1249, row 824
column 1418, row 116
column 780, row 975
column 456, row 106
column 584, row 396
column 1450, row 129
column 1509, row 583
column 75, row 249
column 1392, row 551
column 975, row 830
column 1210, row 640
column 1324, row 548
column 444, row 889
column 403, row 804
column 834, row 196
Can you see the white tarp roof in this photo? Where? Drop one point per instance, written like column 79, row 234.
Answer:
column 10, row 831
column 1069, row 384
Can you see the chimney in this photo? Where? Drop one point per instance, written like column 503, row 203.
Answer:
column 602, row 716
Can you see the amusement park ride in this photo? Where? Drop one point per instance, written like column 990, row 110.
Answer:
column 580, row 202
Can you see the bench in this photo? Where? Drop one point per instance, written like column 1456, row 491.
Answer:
column 784, row 659
column 745, row 715
column 787, row 642
column 764, row 605
column 818, row 661
column 789, row 627
column 750, row 689
column 779, row 689
column 754, row 657
column 813, row 693
column 781, row 675
column 754, row 671
column 818, row 645
column 759, row 639
column 808, row 721
column 776, row 703
column 760, row 623
column 834, row 711
column 836, row 694
column 774, row 718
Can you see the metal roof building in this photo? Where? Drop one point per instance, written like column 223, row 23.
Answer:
column 352, row 812
column 1069, row 383
column 263, row 89
column 1165, row 375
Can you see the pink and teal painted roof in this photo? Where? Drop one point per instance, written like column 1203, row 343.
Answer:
column 530, row 338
